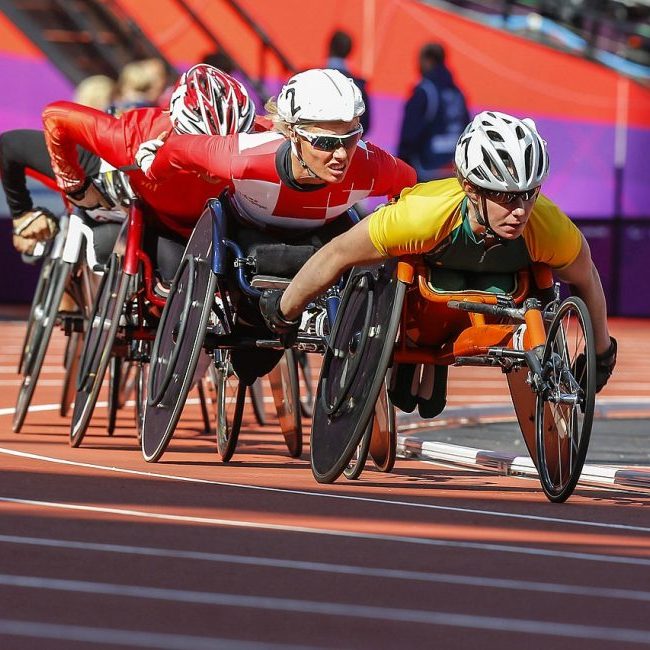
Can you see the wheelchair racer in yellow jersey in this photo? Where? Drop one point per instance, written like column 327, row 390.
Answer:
column 490, row 219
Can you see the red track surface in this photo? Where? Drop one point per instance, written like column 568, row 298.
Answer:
column 100, row 549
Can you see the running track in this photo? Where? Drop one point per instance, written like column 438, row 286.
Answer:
column 99, row 549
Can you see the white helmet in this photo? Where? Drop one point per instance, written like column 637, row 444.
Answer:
column 207, row 101
column 502, row 153
column 320, row 96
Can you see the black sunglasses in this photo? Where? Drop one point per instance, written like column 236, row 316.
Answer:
column 331, row 142
column 508, row 197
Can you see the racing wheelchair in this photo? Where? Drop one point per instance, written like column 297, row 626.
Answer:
column 212, row 306
column 409, row 316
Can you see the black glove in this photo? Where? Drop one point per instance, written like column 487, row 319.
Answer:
column 605, row 364
column 286, row 330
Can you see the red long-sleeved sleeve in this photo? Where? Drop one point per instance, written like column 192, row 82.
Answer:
column 68, row 124
column 207, row 155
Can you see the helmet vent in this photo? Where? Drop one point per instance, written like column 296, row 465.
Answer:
column 521, row 134
column 495, row 136
column 489, row 163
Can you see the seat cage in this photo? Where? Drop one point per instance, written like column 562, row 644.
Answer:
column 432, row 332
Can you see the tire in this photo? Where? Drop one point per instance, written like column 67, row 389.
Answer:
column 383, row 443
column 71, row 364
column 228, row 398
column 357, row 463
column 114, row 382
column 179, row 341
column 286, row 395
column 256, row 392
column 141, row 378
column 98, row 345
column 306, row 399
column 43, row 285
column 563, row 428
column 39, row 340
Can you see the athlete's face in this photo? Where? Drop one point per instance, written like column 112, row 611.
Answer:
column 507, row 212
column 329, row 158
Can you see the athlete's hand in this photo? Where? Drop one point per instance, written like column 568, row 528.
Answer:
column 24, row 245
column 146, row 153
column 287, row 330
column 38, row 224
column 605, row 364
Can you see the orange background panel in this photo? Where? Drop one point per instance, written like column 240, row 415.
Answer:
column 493, row 67
column 13, row 41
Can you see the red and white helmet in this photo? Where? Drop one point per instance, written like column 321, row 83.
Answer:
column 207, row 101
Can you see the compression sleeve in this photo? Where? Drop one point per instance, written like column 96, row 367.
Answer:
column 391, row 174
column 551, row 237
column 68, row 124
column 419, row 220
column 208, row 155
column 23, row 152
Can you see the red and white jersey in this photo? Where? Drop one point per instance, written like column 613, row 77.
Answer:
column 176, row 202
column 258, row 170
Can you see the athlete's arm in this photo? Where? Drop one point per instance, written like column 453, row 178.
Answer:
column 354, row 247
column 205, row 154
column 67, row 125
column 582, row 274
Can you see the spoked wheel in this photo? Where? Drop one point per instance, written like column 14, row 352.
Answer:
column 114, row 382
column 228, row 395
column 354, row 367
column 98, row 345
column 179, row 341
column 286, row 395
column 71, row 364
column 43, row 322
column 256, row 392
column 43, row 285
column 565, row 406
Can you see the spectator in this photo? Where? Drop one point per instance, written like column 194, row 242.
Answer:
column 95, row 91
column 434, row 117
column 339, row 50
column 141, row 83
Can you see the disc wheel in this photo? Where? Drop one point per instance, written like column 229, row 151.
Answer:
column 354, row 367
column 286, row 395
column 43, row 322
column 228, row 396
column 357, row 463
column 98, row 345
column 141, row 378
column 565, row 406
column 179, row 341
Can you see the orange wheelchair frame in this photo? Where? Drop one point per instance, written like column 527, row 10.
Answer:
column 550, row 370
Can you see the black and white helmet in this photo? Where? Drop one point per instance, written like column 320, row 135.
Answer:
column 502, row 153
column 320, row 95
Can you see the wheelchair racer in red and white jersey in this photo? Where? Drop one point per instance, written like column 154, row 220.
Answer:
column 205, row 101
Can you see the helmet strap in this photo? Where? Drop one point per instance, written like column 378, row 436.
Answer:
column 490, row 237
column 298, row 154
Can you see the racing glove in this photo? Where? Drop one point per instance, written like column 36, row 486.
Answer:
column 146, row 154
column 275, row 320
column 605, row 364
column 37, row 224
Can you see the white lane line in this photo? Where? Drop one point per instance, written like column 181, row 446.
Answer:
column 330, row 495
column 324, row 608
column 330, row 532
column 337, row 569
column 130, row 638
